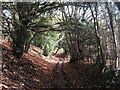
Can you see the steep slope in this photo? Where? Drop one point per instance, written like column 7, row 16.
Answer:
column 29, row 72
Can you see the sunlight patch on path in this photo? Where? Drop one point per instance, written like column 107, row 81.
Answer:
column 53, row 59
column 60, row 81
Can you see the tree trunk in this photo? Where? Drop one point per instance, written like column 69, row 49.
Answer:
column 100, row 60
column 118, row 46
column 20, row 34
column 113, row 35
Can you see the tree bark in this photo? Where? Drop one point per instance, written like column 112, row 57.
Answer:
column 100, row 58
column 113, row 34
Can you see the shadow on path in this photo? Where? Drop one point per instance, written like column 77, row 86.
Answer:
column 60, row 77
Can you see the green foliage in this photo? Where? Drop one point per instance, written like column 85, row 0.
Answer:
column 110, row 79
column 80, row 34
column 47, row 41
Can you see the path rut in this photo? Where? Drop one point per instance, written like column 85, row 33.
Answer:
column 60, row 81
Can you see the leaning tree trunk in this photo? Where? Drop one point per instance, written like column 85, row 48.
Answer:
column 100, row 58
column 27, row 45
column 118, row 45
column 113, row 36
column 19, row 41
column 20, row 29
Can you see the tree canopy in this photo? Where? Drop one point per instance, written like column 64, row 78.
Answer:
column 84, row 30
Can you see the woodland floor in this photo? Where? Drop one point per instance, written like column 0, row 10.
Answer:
column 35, row 72
column 31, row 71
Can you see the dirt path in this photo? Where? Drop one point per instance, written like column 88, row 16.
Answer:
column 60, row 81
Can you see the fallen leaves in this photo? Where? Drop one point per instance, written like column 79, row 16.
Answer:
column 29, row 72
column 80, row 74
